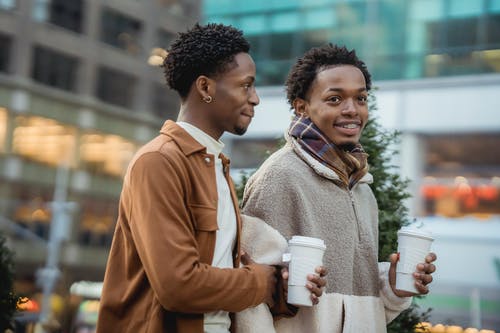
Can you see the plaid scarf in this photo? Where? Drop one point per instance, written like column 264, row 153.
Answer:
column 350, row 165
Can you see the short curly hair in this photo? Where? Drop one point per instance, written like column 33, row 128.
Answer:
column 303, row 73
column 202, row 50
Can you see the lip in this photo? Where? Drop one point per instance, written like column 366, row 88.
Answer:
column 248, row 114
column 348, row 131
column 344, row 123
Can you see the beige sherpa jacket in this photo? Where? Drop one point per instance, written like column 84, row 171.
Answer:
column 295, row 194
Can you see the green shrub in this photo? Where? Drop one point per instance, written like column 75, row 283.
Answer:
column 8, row 300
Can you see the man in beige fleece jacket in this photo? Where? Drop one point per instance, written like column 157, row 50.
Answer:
column 317, row 185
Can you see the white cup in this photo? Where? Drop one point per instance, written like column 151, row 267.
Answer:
column 304, row 255
column 413, row 246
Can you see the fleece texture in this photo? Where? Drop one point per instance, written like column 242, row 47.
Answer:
column 296, row 195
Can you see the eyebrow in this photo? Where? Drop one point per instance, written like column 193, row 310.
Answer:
column 342, row 90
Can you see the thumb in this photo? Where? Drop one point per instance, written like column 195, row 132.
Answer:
column 393, row 258
column 246, row 260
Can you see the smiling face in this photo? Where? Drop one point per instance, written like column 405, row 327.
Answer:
column 235, row 96
column 337, row 103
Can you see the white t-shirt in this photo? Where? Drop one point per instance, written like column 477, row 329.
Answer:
column 219, row 321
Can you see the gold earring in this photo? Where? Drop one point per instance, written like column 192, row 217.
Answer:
column 208, row 99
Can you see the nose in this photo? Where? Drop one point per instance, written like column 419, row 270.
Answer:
column 254, row 98
column 349, row 107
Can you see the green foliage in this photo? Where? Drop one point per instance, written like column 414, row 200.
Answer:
column 7, row 298
column 240, row 185
column 388, row 186
column 408, row 320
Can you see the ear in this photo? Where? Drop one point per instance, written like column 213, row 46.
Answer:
column 300, row 107
column 205, row 86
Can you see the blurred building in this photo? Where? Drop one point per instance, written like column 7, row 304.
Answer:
column 76, row 89
column 436, row 70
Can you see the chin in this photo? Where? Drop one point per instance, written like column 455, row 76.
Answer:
column 347, row 144
column 240, row 130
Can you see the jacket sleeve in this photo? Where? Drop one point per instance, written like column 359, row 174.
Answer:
column 166, row 244
column 266, row 245
column 272, row 205
column 393, row 304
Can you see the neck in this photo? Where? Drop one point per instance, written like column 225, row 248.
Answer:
column 196, row 115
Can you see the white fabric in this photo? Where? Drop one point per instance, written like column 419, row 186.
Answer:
column 219, row 321
column 363, row 313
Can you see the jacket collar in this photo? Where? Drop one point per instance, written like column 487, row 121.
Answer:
column 186, row 142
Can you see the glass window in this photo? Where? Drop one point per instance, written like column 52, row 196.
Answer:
column 43, row 140
column 165, row 102
column 284, row 22
column 41, row 10
column 319, row 18
column 105, row 153
column 120, row 31
column 7, row 4
column 250, row 153
column 30, row 209
column 115, row 87
column 459, row 183
column 460, row 8
column 97, row 221
column 492, row 31
column 63, row 13
column 426, row 10
column 3, row 128
column 5, row 45
column 388, row 67
column 253, row 24
column 54, row 69
column 281, row 46
column 164, row 38
column 389, row 41
column 315, row 38
column 351, row 27
column 273, row 72
column 462, row 32
column 494, row 6
column 67, row 14
column 258, row 48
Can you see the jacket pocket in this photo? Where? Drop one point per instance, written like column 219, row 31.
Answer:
column 205, row 217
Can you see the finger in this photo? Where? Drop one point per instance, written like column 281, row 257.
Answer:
column 246, row 260
column 314, row 299
column 284, row 273
column 321, row 270
column 431, row 257
column 425, row 279
column 422, row 289
column 426, row 268
column 315, row 290
column 319, row 281
column 394, row 258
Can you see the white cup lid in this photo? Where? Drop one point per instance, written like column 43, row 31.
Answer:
column 307, row 241
column 415, row 232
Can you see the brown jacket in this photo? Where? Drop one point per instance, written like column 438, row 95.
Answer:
column 158, row 276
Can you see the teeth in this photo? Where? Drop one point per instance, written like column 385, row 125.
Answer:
column 350, row 126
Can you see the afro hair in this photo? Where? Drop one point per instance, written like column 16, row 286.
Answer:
column 202, row 50
column 317, row 59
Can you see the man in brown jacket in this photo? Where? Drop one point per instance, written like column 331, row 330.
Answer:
column 174, row 264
